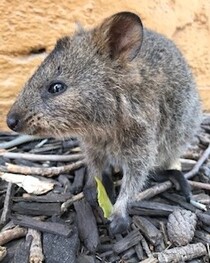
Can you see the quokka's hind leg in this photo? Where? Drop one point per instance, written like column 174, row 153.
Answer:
column 174, row 174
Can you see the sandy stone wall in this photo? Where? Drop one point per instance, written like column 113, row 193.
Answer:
column 29, row 29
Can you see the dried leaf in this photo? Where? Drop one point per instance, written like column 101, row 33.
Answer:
column 31, row 184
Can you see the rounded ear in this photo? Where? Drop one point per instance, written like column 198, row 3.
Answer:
column 121, row 36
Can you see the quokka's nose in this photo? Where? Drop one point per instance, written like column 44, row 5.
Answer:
column 13, row 121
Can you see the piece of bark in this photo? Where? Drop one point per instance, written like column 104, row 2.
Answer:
column 86, row 222
column 37, row 209
column 48, row 172
column 12, row 234
column 148, row 229
column 182, row 254
column 49, row 227
column 36, row 253
column 127, row 242
column 181, row 227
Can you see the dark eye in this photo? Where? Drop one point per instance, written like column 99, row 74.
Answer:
column 56, row 88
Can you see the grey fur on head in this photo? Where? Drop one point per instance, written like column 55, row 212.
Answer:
column 125, row 91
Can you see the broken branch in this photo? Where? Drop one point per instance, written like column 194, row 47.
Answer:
column 43, row 171
column 11, row 234
column 42, row 157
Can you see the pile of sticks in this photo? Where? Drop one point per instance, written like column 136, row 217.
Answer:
column 42, row 200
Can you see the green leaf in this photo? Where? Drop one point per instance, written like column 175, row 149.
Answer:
column 103, row 199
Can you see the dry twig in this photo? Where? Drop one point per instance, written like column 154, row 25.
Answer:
column 36, row 253
column 17, row 141
column 7, row 203
column 182, row 254
column 199, row 185
column 70, row 201
column 11, row 234
column 49, row 172
column 42, row 157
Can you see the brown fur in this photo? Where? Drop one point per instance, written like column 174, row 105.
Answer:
column 130, row 98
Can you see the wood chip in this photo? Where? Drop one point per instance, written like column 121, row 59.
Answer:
column 86, row 222
column 127, row 242
column 49, row 227
column 148, row 229
column 37, row 209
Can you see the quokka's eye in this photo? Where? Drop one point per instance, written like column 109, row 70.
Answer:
column 57, row 88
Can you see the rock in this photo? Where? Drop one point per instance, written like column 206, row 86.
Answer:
column 181, row 227
column 60, row 249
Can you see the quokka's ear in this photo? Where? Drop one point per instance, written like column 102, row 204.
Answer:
column 120, row 35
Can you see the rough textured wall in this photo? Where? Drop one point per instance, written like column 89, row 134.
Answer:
column 29, row 29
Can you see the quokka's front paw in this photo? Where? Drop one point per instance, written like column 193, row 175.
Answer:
column 119, row 223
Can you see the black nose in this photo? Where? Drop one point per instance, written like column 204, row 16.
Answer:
column 13, row 121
